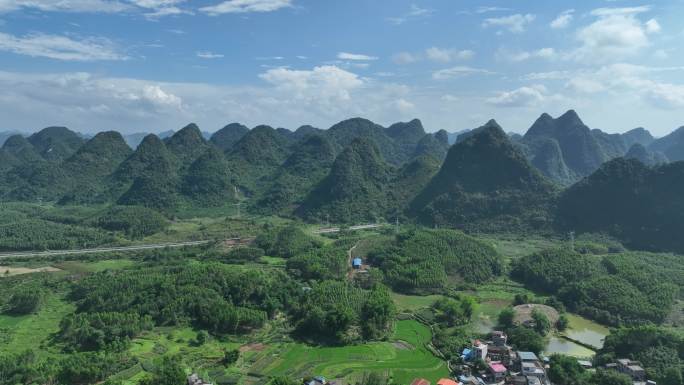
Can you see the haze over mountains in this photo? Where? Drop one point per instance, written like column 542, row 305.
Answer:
column 360, row 171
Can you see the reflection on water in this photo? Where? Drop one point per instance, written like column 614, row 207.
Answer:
column 562, row 346
column 585, row 331
column 582, row 330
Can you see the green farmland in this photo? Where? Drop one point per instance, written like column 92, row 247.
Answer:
column 404, row 358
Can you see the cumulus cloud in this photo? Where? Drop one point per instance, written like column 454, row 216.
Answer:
column 459, row 71
column 615, row 34
column 521, row 97
column 326, row 82
column 246, row 6
column 445, row 55
column 60, row 47
column 355, row 56
column 513, row 23
column 321, row 95
column 563, row 20
column 641, row 81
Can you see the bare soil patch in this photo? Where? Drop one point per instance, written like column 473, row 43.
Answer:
column 255, row 347
column 9, row 271
column 523, row 313
column 402, row 345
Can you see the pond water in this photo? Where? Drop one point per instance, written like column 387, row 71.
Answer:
column 586, row 331
column 562, row 346
column 580, row 329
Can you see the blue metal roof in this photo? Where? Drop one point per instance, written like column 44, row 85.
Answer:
column 357, row 262
column 528, row 356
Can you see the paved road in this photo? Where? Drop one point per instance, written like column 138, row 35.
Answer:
column 329, row 230
column 30, row 254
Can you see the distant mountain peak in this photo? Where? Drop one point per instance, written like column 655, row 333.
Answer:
column 226, row 137
column 570, row 118
column 15, row 142
column 492, row 124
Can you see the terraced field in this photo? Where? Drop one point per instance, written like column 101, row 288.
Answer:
column 403, row 358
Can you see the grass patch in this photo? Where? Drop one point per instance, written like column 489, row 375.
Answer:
column 413, row 302
column 33, row 331
column 80, row 267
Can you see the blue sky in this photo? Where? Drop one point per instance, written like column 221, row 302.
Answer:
column 154, row 65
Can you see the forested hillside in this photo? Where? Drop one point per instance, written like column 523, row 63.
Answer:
column 359, row 171
column 486, row 182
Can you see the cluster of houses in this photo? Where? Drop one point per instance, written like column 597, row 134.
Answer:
column 631, row 368
column 505, row 366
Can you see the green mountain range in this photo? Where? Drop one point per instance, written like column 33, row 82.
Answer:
column 642, row 206
column 485, row 182
column 359, row 171
column 671, row 145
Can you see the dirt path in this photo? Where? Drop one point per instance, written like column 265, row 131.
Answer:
column 350, row 258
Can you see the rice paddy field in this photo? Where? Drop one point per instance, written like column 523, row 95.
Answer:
column 403, row 358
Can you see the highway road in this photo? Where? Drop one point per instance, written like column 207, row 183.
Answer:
column 329, row 230
column 35, row 254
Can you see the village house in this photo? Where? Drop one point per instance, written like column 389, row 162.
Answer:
column 480, row 350
column 497, row 371
column 194, row 379
column 499, row 338
column 504, row 354
column 631, row 368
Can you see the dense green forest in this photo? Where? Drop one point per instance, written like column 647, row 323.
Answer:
column 423, row 260
column 617, row 289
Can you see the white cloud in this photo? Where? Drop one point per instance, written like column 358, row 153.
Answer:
column 158, row 8
column 514, row 23
column 165, row 11
column 520, row 97
column 246, row 6
column 628, row 79
column 355, row 56
column 445, row 55
column 550, row 75
column 652, row 26
column 64, row 5
column 563, row 20
column 459, row 71
column 155, row 95
column 327, row 82
column 414, row 13
column 208, row 55
column 626, row 11
column 405, row 58
column 60, row 47
column 491, row 9
column 617, row 33
column 404, row 105
column 542, row 53
column 286, row 98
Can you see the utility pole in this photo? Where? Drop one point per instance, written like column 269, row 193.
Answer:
column 237, row 197
column 572, row 240
column 396, row 229
column 327, row 221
